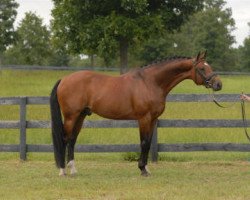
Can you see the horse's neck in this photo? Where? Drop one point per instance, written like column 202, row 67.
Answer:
column 170, row 74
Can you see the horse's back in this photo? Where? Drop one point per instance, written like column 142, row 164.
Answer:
column 88, row 82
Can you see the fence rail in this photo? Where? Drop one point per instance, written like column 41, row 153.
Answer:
column 22, row 124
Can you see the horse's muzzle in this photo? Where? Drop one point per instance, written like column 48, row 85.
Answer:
column 217, row 85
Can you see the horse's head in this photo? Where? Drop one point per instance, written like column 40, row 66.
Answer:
column 203, row 73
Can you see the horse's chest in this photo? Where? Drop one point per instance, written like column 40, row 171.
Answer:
column 157, row 108
column 150, row 105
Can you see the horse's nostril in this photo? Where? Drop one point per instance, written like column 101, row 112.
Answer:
column 218, row 86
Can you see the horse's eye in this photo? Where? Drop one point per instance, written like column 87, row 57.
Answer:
column 203, row 69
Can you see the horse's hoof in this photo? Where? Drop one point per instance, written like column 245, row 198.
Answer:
column 72, row 167
column 145, row 173
column 62, row 172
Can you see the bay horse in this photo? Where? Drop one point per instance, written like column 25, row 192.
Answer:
column 140, row 95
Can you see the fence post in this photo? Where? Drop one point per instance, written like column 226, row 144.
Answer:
column 23, row 102
column 154, row 144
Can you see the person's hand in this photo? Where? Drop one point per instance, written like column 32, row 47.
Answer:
column 245, row 97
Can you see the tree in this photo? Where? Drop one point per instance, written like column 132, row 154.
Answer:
column 7, row 17
column 244, row 52
column 156, row 48
column 105, row 27
column 59, row 55
column 33, row 42
column 210, row 29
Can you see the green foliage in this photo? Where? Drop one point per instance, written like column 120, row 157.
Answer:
column 213, row 32
column 131, row 156
column 7, row 17
column 58, row 57
column 244, row 52
column 112, row 30
column 107, row 27
column 157, row 48
column 208, row 29
column 33, row 44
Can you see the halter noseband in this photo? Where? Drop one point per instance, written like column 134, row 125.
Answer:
column 206, row 79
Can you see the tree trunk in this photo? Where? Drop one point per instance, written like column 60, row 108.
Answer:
column 92, row 60
column 123, row 56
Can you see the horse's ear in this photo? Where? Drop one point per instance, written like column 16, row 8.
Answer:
column 202, row 55
column 198, row 56
column 205, row 54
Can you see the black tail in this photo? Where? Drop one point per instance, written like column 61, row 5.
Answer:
column 57, row 128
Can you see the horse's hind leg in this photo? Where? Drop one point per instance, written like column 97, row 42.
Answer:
column 71, row 143
column 68, row 127
column 71, row 161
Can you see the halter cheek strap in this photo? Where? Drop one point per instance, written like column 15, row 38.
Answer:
column 206, row 79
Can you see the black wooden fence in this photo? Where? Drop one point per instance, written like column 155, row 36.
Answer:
column 22, row 124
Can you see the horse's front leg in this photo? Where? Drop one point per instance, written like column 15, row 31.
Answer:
column 146, row 132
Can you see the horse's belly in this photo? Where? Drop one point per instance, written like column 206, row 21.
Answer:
column 115, row 110
column 125, row 109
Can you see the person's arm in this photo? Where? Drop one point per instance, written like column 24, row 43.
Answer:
column 245, row 97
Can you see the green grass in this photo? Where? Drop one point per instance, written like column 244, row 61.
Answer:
column 40, row 83
column 106, row 176
column 29, row 83
column 193, row 175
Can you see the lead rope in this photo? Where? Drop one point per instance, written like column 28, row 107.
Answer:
column 220, row 105
column 243, row 112
column 244, row 118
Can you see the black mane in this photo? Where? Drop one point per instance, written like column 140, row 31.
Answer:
column 168, row 59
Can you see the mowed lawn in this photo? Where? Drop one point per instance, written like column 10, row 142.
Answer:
column 197, row 175
column 40, row 83
column 107, row 176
